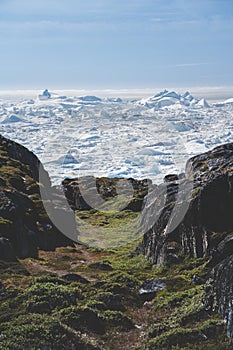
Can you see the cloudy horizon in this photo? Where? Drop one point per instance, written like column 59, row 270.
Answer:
column 113, row 44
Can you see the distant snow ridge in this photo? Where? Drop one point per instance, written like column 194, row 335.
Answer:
column 169, row 98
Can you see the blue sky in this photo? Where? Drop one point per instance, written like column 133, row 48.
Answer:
column 99, row 44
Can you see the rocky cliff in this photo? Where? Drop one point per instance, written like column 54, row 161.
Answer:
column 24, row 223
column 191, row 215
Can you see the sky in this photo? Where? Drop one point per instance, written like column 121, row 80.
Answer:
column 115, row 44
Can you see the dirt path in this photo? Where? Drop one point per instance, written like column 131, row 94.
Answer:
column 64, row 260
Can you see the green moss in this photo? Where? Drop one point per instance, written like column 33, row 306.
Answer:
column 102, row 310
column 112, row 229
column 177, row 338
column 82, row 319
column 116, row 319
column 51, row 279
column 96, row 303
column 125, row 259
column 13, row 175
column 178, row 283
column 44, row 297
column 185, row 269
column 10, row 270
column 33, row 332
column 125, row 279
column 10, row 306
column 196, row 191
column 172, row 299
column 192, row 311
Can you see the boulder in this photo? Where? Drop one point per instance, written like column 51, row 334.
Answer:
column 149, row 288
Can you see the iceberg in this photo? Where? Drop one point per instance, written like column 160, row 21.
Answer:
column 46, row 95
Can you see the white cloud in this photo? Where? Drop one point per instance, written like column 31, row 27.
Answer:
column 196, row 64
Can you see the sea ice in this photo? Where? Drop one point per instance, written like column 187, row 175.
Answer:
column 88, row 135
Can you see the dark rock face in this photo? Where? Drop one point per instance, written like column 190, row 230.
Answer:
column 219, row 292
column 222, row 251
column 191, row 215
column 24, row 223
column 6, row 250
column 99, row 189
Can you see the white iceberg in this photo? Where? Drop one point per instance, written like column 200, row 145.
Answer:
column 46, row 95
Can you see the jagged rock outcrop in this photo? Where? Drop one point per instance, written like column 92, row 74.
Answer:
column 192, row 213
column 219, row 292
column 90, row 192
column 24, row 223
